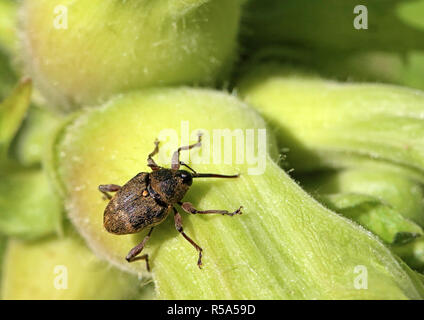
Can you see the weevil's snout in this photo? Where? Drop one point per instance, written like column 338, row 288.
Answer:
column 185, row 176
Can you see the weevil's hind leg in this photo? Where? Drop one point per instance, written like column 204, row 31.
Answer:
column 105, row 188
column 143, row 257
column 188, row 207
column 175, row 163
column 179, row 227
column 150, row 162
column 134, row 252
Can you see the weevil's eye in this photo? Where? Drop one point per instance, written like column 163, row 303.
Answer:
column 186, row 176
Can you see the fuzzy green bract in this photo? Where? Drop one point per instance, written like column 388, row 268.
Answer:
column 28, row 147
column 12, row 112
column 374, row 215
column 382, row 201
column 327, row 124
column 412, row 253
column 117, row 46
column 285, row 245
column 62, row 268
column 373, row 130
column 29, row 207
column 303, row 32
column 3, row 242
column 401, row 193
column 8, row 13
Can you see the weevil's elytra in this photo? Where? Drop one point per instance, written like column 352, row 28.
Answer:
column 148, row 198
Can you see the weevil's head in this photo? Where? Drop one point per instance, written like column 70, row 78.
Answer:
column 184, row 177
column 170, row 185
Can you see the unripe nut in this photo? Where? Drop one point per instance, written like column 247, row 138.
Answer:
column 82, row 52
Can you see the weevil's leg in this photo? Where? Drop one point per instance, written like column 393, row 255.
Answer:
column 132, row 255
column 188, row 207
column 105, row 188
column 179, row 227
column 175, row 162
column 150, row 162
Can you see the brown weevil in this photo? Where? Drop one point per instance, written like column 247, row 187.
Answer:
column 146, row 200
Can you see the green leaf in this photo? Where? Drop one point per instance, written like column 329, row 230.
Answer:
column 3, row 242
column 410, row 12
column 12, row 113
column 7, row 76
column 405, row 237
column 29, row 145
column 284, row 246
column 391, row 188
column 311, row 24
column 8, row 23
column 302, row 32
column 29, row 209
column 375, row 216
column 8, row 46
column 412, row 253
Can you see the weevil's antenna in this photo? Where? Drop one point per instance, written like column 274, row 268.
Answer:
column 188, row 167
column 214, row 175
column 175, row 161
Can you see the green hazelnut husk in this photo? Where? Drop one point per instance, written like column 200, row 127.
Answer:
column 118, row 46
column 390, row 49
column 323, row 124
column 62, row 269
column 285, row 245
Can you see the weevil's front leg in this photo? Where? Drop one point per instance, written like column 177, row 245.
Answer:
column 179, row 227
column 175, row 162
column 188, row 207
column 105, row 188
column 150, row 162
column 132, row 255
